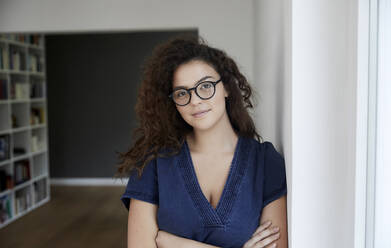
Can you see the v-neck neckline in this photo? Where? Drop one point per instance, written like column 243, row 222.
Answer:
column 214, row 217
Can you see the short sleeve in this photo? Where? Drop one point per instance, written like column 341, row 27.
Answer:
column 144, row 188
column 274, row 174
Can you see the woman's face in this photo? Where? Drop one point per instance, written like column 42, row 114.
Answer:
column 188, row 75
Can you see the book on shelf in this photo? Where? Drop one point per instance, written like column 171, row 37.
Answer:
column 3, row 180
column 14, row 37
column 1, row 58
column 37, row 115
column 36, row 39
column 5, row 208
column 6, row 181
column 35, row 63
column 3, row 89
column 20, row 90
column 5, row 147
column 14, row 121
column 21, row 171
column 4, row 59
column 16, row 59
column 36, row 144
column 22, row 200
column 36, row 90
column 40, row 190
column 33, row 39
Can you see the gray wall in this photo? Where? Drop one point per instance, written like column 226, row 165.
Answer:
column 92, row 82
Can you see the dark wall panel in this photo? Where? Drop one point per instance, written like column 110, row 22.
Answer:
column 92, row 82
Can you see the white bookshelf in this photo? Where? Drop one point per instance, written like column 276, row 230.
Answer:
column 23, row 120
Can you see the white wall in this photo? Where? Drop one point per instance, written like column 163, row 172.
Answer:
column 323, row 122
column 383, row 132
column 226, row 24
column 308, row 106
column 272, row 72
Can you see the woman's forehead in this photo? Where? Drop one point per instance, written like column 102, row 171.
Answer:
column 189, row 74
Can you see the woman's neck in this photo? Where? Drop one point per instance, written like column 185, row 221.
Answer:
column 220, row 138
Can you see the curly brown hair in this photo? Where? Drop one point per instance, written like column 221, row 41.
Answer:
column 161, row 127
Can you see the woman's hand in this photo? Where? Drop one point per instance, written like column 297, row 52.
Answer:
column 263, row 236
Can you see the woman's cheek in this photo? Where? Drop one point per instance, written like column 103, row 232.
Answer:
column 185, row 116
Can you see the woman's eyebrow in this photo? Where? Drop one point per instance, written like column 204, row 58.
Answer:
column 203, row 78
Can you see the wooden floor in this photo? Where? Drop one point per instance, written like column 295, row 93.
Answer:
column 76, row 216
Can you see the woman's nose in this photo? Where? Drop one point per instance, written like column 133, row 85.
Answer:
column 194, row 99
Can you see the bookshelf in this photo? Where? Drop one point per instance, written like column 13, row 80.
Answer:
column 24, row 167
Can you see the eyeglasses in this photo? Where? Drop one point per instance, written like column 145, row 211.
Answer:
column 204, row 90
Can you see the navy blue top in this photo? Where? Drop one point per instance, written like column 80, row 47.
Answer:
column 256, row 178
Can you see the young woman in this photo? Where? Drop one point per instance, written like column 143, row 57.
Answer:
column 203, row 179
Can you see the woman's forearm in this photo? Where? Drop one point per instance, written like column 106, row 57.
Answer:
column 165, row 239
column 189, row 243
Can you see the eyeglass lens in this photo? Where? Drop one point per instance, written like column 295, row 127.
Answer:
column 204, row 90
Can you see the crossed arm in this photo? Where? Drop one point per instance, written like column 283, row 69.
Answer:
column 143, row 230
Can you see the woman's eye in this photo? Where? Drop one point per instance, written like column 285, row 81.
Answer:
column 206, row 85
column 180, row 93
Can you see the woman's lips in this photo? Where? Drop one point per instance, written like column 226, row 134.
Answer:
column 200, row 114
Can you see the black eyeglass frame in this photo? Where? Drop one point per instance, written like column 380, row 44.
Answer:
column 194, row 88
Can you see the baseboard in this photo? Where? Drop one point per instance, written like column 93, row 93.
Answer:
column 88, row 181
